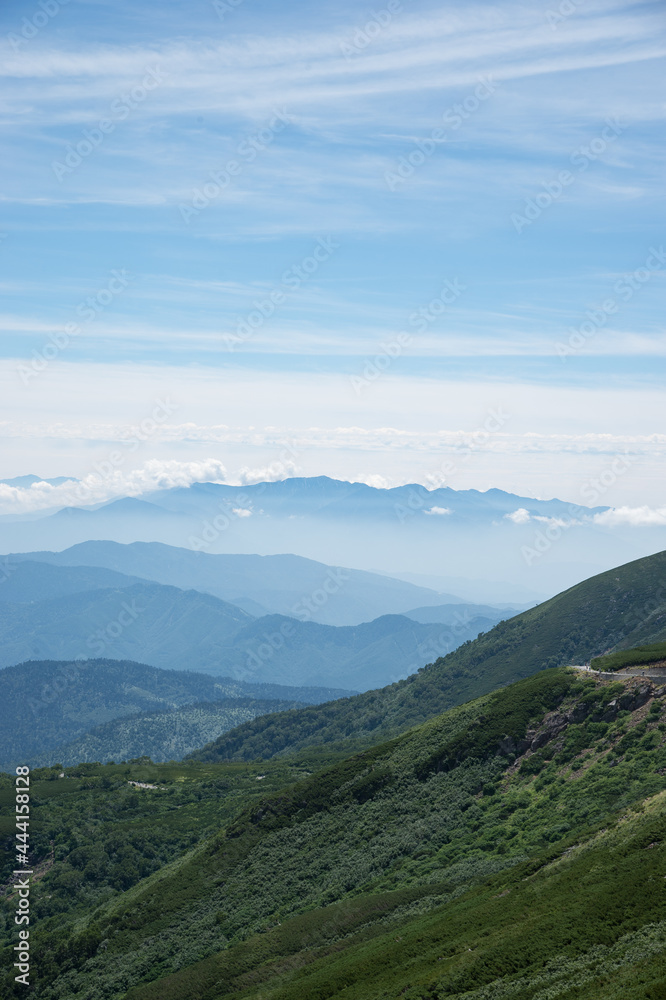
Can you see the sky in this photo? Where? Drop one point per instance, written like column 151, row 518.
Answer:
column 268, row 240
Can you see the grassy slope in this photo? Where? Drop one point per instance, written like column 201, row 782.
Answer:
column 641, row 656
column 623, row 607
column 363, row 876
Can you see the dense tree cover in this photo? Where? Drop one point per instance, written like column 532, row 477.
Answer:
column 482, row 829
column 162, row 736
column 640, row 656
column 622, row 607
column 61, row 701
column 97, row 832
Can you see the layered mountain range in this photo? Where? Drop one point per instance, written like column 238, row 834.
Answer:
column 492, row 826
column 529, row 548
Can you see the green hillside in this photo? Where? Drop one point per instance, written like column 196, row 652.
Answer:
column 510, row 846
column 614, row 609
column 47, row 704
column 640, row 656
column 162, row 736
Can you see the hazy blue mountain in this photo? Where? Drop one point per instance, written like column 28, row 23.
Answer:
column 283, row 584
column 163, row 626
column 332, row 498
column 458, row 614
column 38, row 581
column 361, row 656
column 525, row 548
column 25, row 482
column 47, row 704
column 185, row 629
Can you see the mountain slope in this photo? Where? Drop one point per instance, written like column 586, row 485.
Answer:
column 162, row 736
column 618, row 609
column 453, row 614
column 44, row 705
column 173, row 629
column 40, row 581
column 144, row 621
column 511, row 846
column 285, row 584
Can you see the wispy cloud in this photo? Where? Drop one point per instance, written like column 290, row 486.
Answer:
column 351, row 120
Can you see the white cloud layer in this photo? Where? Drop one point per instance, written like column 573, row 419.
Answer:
column 636, row 517
column 107, row 483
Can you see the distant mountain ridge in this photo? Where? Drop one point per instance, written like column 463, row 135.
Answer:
column 619, row 609
column 409, row 528
column 285, row 584
column 176, row 629
column 333, row 497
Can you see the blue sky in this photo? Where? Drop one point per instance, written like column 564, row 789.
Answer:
column 420, row 213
